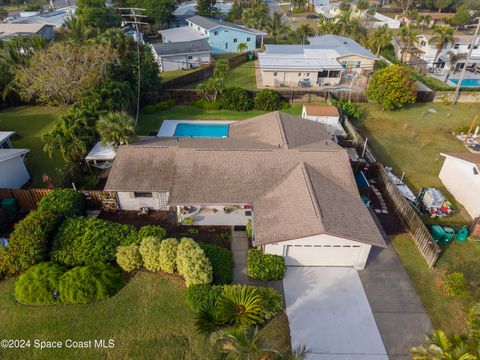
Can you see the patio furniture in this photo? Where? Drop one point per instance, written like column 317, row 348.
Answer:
column 143, row 211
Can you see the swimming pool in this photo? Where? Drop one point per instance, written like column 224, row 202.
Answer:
column 201, row 130
column 467, row 82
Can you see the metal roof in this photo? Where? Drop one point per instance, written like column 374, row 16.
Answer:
column 184, row 47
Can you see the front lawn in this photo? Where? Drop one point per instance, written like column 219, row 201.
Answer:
column 146, row 319
column 30, row 123
column 152, row 122
column 411, row 140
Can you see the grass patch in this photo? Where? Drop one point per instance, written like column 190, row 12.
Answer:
column 170, row 75
column 411, row 140
column 241, row 76
column 431, row 82
column 152, row 122
column 30, row 123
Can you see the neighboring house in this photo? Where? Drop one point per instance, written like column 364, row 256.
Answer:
column 460, row 174
column 327, row 115
column 131, row 31
column 13, row 173
column 436, row 18
column 181, row 55
column 221, row 35
column 328, row 60
column 461, row 46
column 188, row 9
column 378, row 20
column 54, row 18
column 282, row 172
column 412, row 56
column 7, row 31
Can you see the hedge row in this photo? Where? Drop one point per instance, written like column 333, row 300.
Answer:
column 265, row 266
column 50, row 283
column 63, row 202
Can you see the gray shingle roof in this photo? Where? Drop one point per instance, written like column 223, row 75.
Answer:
column 183, row 47
column 299, row 182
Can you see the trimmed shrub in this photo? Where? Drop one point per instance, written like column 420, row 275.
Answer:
column 38, row 285
column 150, row 251
column 149, row 109
column 84, row 284
column 201, row 296
column 168, row 255
column 271, row 302
column 151, row 231
column 265, row 266
column 84, row 241
column 63, row 202
column 206, row 105
column 129, row 257
column 29, row 241
column 456, row 285
column 236, row 99
column 192, row 263
column 249, row 229
column 166, row 104
column 267, row 100
column 221, row 261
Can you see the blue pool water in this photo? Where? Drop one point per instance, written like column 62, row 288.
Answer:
column 201, row 130
column 468, row 82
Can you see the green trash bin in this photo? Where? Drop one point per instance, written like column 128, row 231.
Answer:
column 462, row 234
column 437, row 233
column 250, row 57
column 9, row 205
column 449, row 234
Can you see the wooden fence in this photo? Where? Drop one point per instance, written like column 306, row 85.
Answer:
column 189, row 78
column 28, row 198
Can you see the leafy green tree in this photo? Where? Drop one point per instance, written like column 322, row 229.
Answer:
column 235, row 12
column 345, row 6
column 240, row 306
column 116, row 128
column 207, row 8
column 462, row 17
column 326, row 26
column 256, row 17
column 441, row 37
column 392, row 87
column 408, row 38
column 95, row 13
column 362, row 6
column 442, row 4
column 304, row 31
column 77, row 31
column 472, row 4
column 3, row 14
column 157, row 10
column 276, row 27
column 379, row 39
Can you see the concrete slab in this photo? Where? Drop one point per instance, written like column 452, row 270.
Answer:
column 328, row 312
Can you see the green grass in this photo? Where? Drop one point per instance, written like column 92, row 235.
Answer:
column 30, row 123
column 147, row 319
column 170, row 75
column 241, row 76
column 152, row 122
column 411, row 140
column 431, row 82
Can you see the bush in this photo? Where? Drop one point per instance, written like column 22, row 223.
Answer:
column 192, row 263
column 267, row 100
column 455, row 284
column 151, row 231
column 63, row 202
column 29, row 241
column 221, row 261
column 84, row 284
column 166, row 104
column 83, row 241
column 201, row 296
column 168, row 255
column 150, row 251
column 271, row 302
column 236, row 99
column 249, row 229
column 350, row 110
column 265, row 266
column 38, row 285
column 129, row 257
column 205, row 104
column 150, row 109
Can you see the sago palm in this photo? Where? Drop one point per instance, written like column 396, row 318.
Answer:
column 439, row 346
column 116, row 128
column 208, row 320
column 240, row 306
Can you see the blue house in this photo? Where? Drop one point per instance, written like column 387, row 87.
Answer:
column 222, row 36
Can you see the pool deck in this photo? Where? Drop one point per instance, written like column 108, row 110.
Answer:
column 168, row 126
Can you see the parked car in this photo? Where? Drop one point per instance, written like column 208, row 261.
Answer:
column 313, row 17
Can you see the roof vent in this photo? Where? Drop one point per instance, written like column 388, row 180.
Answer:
column 345, row 43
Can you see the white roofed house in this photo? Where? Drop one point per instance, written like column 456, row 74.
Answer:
column 182, row 55
column 13, row 173
column 8, row 31
column 329, row 60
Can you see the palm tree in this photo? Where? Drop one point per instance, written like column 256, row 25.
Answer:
column 380, row 38
column 208, row 320
column 243, row 344
column 242, row 47
column 240, row 306
column 275, row 27
column 442, row 36
column 408, row 38
column 211, row 88
column 452, row 60
column 326, row 27
column 343, row 23
column 303, row 31
column 424, row 20
column 362, row 6
column 77, row 30
column 439, row 346
column 116, row 128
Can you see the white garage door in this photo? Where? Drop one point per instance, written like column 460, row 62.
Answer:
column 322, row 255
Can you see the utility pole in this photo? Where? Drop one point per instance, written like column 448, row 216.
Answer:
column 472, row 45
column 133, row 17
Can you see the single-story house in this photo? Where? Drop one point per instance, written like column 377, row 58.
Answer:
column 327, row 61
column 282, row 172
column 460, row 174
column 182, row 55
column 13, row 173
column 188, row 9
column 55, row 18
column 222, row 36
column 7, row 31
column 327, row 115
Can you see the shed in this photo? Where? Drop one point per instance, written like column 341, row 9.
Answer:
column 327, row 115
column 101, row 156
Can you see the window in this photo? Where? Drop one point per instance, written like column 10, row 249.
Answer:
column 215, row 33
column 323, row 74
column 299, row 74
column 235, row 40
column 275, row 74
column 423, row 43
column 226, row 46
column 138, row 194
column 226, row 30
column 205, row 32
column 456, row 46
column 190, row 57
column 248, row 39
column 308, row 74
column 334, row 74
column 351, row 64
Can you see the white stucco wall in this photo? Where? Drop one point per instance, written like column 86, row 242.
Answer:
column 13, row 173
column 322, row 258
column 128, row 201
column 459, row 178
column 185, row 61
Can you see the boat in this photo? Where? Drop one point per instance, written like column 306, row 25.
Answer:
column 404, row 189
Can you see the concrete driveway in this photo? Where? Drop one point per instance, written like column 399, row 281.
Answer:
column 329, row 313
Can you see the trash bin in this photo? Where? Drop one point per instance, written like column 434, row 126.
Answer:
column 250, row 57
column 449, row 234
column 462, row 234
column 9, row 205
column 437, row 233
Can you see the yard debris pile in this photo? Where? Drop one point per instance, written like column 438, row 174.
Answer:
column 432, row 201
